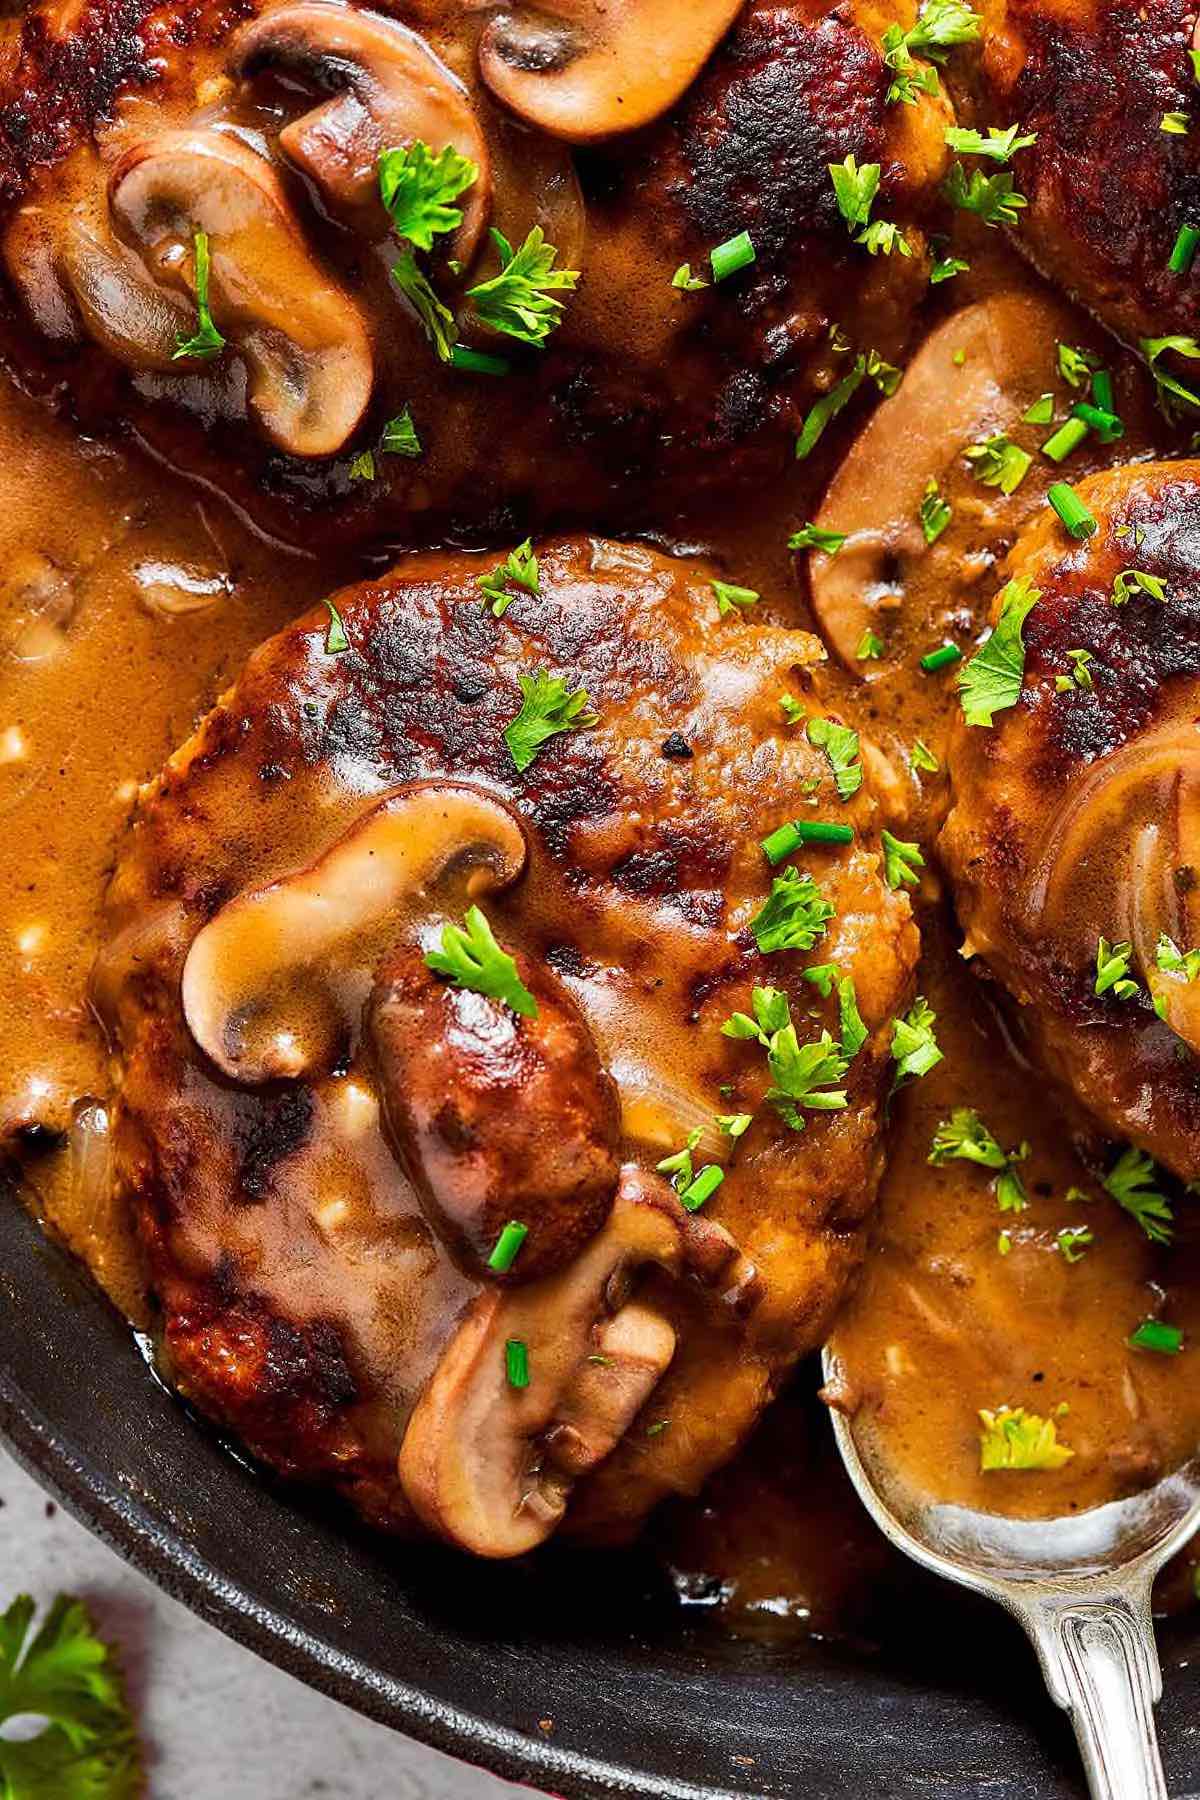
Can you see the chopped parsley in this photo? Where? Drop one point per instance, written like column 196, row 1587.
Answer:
column 813, row 537
column 363, row 466
column 805, row 1076
column 1076, row 365
column 828, row 407
column 855, row 189
column 940, row 25
column 1170, row 393
column 206, row 340
column 901, row 861
column 964, row 1136
column 1012, row 1438
column 791, row 709
column 1041, row 412
column 1080, row 675
column 685, row 281
column 519, row 569
column 870, row 647
column 991, row 681
column 935, row 513
column 840, row 745
column 998, row 463
column 994, row 197
column 418, row 190
column 472, row 958
column 436, row 319
column 794, row 916
column 335, row 637
column 1130, row 1182
column 1073, row 1242
column 1157, row 1335
column 914, row 1047
column 1112, row 970
column 999, row 144
column 945, row 268
column 63, row 1677
column 400, row 436
column 1174, row 961
column 850, row 1020
column 923, row 758
column 546, row 709
column 1136, row 581
column 1175, row 124
column 522, row 300
column 771, row 1013
column 883, row 236
column 731, row 598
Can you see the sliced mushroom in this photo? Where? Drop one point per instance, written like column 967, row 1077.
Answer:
column 388, row 90
column 271, row 982
column 490, row 1466
column 494, row 1116
column 302, row 337
column 586, row 69
column 973, row 377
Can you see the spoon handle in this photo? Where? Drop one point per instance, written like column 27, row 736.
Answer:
column 1100, row 1662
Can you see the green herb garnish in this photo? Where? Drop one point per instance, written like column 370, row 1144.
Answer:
column 731, row 598
column 914, row 1047
column 519, row 569
column 507, row 1246
column 935, row 513
column 999, row 144
column 1156, row 1335
column 794, row 916
column 991, row 681
column 400, row 436
column 206, row 341
column 516, row 1363
column 1012, row 1438
column 335, row 637
column 62, row 1679
column 547, row 708
column 1130, row 1182
column 840, row 745
column 999, row 463
column 901, row 861
column 522, row 300
column 472, row 958
column 804, row 1076
column 994, row 197
column 813, row 537
column 418, row 190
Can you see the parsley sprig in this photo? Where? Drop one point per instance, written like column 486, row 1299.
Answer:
column 991, row 681
column 994, row 197
column 1000, row 144
column 1112, row 970
column 522, row 300
column 547, row 708
column 914, row 1047
column 794, row 916
column 840, row 744
column 418, row 190
column 64, row 1675
column 941, row 24
column 472, row 958
column 1012, row 1438
column 1130, row 1182
column 519, row 569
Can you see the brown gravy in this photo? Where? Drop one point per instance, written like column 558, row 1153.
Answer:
column 128, row 600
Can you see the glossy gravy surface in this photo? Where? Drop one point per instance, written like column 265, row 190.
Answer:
column 128, row 600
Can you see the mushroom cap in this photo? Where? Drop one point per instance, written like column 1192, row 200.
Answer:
column 270, row 983
column 587, row 69
column 389, row 90
column 303, row 338
column 494, row 1116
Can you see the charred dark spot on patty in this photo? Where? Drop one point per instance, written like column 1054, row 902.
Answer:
column 275, row 1130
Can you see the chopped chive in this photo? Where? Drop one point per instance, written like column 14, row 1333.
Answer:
column 478, row 361
column 1185, row 249
column 1106, row 425
column 1071, row 510
column 1102, row 391
column 1068, row 437
column 516, row 1363
column 736, row 253
column 504, row 1255
column 703, row 1188
column 941, row 658
column 1154, row 1334
column 789, row 837
column 1041, row 412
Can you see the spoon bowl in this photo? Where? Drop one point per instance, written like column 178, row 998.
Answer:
column 1079, row 1585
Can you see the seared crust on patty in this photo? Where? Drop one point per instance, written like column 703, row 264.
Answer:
column 1075, row 815
column 307, row 1299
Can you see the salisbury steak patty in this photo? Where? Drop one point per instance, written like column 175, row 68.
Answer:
column 1076, row 815
column 322, row 1139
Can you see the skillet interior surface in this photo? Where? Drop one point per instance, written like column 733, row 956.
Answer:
column 579, row 1675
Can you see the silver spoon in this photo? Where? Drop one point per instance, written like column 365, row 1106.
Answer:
column 1079, row 1585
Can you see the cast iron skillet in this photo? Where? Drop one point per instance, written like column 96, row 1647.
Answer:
column 578, row 1674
